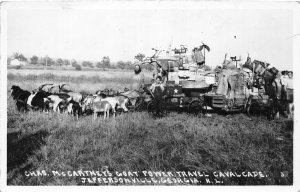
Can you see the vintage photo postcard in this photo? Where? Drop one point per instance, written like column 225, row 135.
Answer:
column 116, row 94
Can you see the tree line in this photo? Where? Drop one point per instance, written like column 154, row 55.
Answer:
column 104, row 63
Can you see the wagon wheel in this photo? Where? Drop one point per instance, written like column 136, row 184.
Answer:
column 196, row 107
column 254, row 108
column 151, row 107
column 135, row 107
column 140, row 104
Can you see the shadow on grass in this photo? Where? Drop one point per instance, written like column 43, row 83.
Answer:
column 20, row 149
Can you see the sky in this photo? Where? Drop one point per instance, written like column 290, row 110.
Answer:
column 90, row 34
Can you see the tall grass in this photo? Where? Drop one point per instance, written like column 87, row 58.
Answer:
column 136, row 142
column 76, row 83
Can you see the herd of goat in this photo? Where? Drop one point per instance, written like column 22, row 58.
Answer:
column 68, row 101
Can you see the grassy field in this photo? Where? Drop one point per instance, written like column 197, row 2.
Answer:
column 88, row 81
column 73, row 73
column 138, row 142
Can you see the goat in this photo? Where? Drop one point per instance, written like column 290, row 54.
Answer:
column 101, row 106
column 74, row 108
column 75, row 95
column 59, row 102
column 97, row 105
column 118, row 101
column 36, row 99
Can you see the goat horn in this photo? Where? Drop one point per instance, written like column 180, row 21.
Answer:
column 50, row 89
column 41, row 87
column 62, row 85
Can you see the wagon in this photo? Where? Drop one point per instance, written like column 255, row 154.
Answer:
column 190, row 100
column 185, row 86
column 220, row 102
column 240, row 101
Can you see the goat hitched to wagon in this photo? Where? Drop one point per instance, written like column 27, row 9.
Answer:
column 138, row 98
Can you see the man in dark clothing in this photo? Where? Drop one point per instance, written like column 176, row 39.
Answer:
column 157, row 89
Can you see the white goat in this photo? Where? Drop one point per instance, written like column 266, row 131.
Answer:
column 96, row 106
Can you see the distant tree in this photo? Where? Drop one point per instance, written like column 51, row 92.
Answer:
column 50, row 61
column 15, row 55
column 78, row 67
column 22, row 58
column 129, row 65
column 121, row 65
column 42, row 60
column 91, row 65
column 99, row 65
column 140, row 56
column 46, row 61
column 59, row 62
column 87, row 64
column 34, row 59
column 106, row 61
column 67, row 62
column 74, row 63
column 19, row 56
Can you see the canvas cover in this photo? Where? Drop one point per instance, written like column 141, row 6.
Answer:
column 229, row 65
column 230, row 83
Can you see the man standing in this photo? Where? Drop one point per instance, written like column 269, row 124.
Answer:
column 286, row 90
column 290, row 87
column 284, row 82
column 138, row 78
column 157, row 89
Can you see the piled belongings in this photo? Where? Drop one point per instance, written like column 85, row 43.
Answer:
column 248, row 65
column 262, row 80
column 260, row 67
column 194, row 77
column 227, row 64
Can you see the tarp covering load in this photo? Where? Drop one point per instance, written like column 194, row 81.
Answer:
column 227, row 83
column 230, row 81
column 229, row 65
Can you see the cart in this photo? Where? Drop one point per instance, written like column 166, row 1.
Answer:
column 186, row 84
